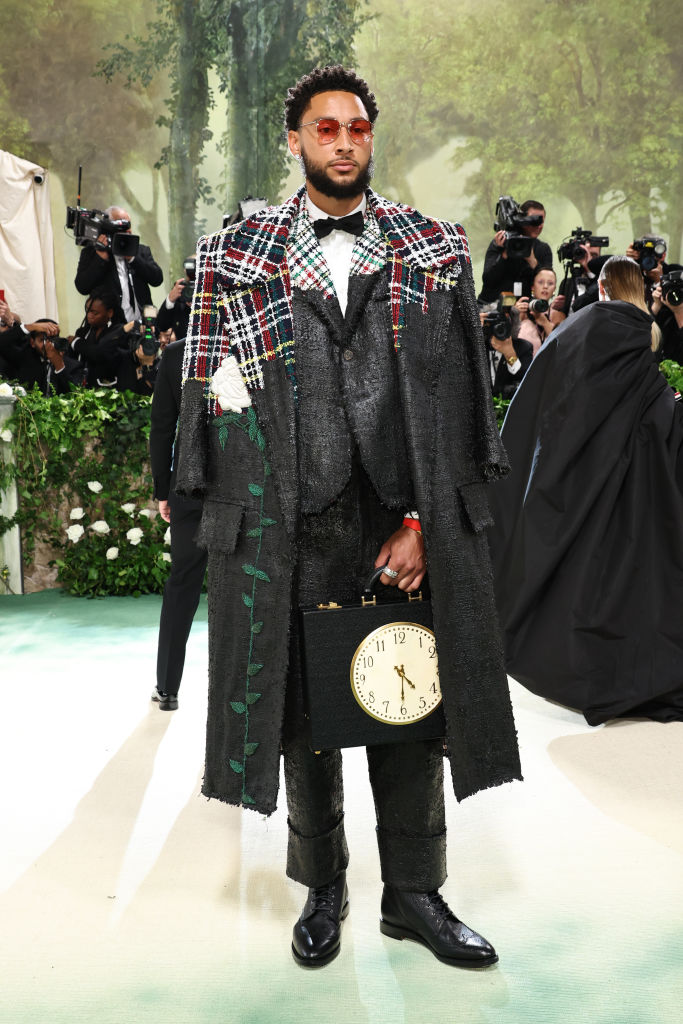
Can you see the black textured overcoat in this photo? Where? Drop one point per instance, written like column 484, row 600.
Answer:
column 244, row 463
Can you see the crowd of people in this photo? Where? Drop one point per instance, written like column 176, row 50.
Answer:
column 121, row 338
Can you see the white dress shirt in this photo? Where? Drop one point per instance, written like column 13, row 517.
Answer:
column 337, row 248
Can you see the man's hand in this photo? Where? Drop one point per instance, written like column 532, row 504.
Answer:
column 505, row 347
column 54, row 355
column 165, row 510
column 522, row 307
column 6, row 314
column 499, row 239
column 177, row 290
column 531, row 259
column 404, row 552
column 104, row 239
column 51, row 330
column 657, row 301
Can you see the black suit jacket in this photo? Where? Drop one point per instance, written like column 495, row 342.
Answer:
column 500, row 274
column 506, row 383
column 165, row 412
column 94, row 272
column 24, row 363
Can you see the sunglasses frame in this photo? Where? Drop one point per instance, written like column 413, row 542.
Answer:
column 342, row 124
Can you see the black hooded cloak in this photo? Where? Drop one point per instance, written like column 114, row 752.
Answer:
column 588, row 540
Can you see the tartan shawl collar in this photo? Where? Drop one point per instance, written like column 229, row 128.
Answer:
column 257, row 248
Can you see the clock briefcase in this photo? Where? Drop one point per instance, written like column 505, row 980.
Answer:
column 370, row 672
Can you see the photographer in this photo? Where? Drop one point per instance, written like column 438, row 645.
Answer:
column 137, row 366
column 127, row 277
column 537, row 315
column 504, row 270
column 34, row 355
column 667, row 309
column 101, row 339
column 649, row 252
column 509, row 358
column 581, row 255
column 174, row 314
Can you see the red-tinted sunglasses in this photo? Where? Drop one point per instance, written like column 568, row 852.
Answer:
column 328, row 129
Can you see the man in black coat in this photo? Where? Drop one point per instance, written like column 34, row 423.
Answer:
column 188, row 560
column 32, row 358
column 503, row 272
column 335, row 385
column 128, row 277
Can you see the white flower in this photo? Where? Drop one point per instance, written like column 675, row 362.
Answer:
column 147, row 512
column 76, row 513
column 228, row 386
column 134, row 535
column 112, row 553
column 128, row 508
column 95, row 486
column 167, row 535
column 6, row 435
column 5, row 390
column 75, row 532
column 166, row 556
column 18, row 390
column 100, row 526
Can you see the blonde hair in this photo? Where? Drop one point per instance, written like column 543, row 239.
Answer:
column 622, row 280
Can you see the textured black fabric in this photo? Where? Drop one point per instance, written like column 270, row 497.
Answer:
column 588, row 542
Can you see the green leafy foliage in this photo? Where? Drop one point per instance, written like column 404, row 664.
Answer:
column 63, row 444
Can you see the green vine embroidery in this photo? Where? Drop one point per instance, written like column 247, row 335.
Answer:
column 248, row 423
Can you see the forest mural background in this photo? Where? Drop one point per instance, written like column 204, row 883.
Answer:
column 174, row 109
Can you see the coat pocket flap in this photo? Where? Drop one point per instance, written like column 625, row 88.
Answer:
column 475, row 499
column 220, row 525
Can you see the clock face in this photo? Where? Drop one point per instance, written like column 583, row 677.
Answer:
column 395, row 673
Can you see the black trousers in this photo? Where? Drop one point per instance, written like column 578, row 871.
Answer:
column 181, row 593
column 337, row 550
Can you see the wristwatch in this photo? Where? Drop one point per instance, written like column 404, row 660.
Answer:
column 511, row 360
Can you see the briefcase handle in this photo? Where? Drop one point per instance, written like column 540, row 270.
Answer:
column 368, row 596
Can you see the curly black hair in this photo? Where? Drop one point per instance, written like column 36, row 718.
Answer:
column 332, row 78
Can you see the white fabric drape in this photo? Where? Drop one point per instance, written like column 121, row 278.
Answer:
column 27, row 266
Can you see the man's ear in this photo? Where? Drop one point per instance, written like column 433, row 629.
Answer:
column 293, row 143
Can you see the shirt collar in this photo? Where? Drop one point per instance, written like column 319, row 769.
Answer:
column 315, row 213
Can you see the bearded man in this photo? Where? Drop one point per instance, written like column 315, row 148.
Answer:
column 337, row 413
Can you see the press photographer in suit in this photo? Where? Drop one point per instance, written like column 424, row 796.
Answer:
column 504, row 271
column 128, row 277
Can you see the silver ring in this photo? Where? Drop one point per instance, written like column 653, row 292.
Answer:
column 391, row 573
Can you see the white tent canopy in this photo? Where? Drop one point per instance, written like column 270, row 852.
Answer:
column 27, row 267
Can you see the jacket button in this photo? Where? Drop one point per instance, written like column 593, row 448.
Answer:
column 348, row 354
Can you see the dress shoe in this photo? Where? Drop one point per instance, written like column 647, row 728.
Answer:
column 426, row 917
column 166, row 701
column 316, row 938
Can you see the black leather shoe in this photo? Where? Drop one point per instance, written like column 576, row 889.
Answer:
column 426, row 917
column 166, row 701
column 317, row 933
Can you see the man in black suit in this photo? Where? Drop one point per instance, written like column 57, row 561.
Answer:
column 29, row 354
column 188, row 561
column 129, row 277
column 502, row 271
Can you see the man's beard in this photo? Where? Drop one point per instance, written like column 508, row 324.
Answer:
column 320, row 180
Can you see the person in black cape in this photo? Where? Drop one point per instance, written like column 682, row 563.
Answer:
column 588, row 540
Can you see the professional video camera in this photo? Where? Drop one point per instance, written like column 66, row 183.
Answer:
column 88, row 225
column 650, row 250
column 672, row 287
column 498, row 322
column 145, row 333
column 245, row 208
column 190, row 268
column 571, row 249
column 511, row 220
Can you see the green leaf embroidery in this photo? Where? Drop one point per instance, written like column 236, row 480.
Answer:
column 247, row 600
column 253, row 430
column 236, row 766
column 256, row 490
column 250, row 570
column 261, row 575
column 256, row 532
column 237, row 706
column 253, row 669
column 253, row 697
column 266, row 468
column 260, row 441
column 246, row 799
column 268, row 522
column 222, row 436
column 257, row 627
column 250, row 748
column 251, row 415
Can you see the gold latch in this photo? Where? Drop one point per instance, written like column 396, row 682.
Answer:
column 368, row 602
column 332, row 604
column 416, row 597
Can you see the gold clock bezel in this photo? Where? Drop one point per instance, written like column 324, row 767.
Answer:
column 364, row 641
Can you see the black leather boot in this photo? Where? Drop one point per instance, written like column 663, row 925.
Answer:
column 317, row 933
column 426, row 917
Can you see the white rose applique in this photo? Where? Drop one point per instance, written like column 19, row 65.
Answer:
column 228, row 386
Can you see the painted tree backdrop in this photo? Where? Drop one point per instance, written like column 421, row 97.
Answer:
column 576, row 102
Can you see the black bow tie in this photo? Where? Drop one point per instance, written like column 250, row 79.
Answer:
column 353, row 224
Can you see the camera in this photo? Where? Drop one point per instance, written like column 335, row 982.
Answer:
column 672, row 287
column 246, row 208
column 571, row 250
column 498, row 323
column 190, row 268
column 511, row 220
column 145, row 333
column 650, row 250
column 538, row 306
column 88, row 225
